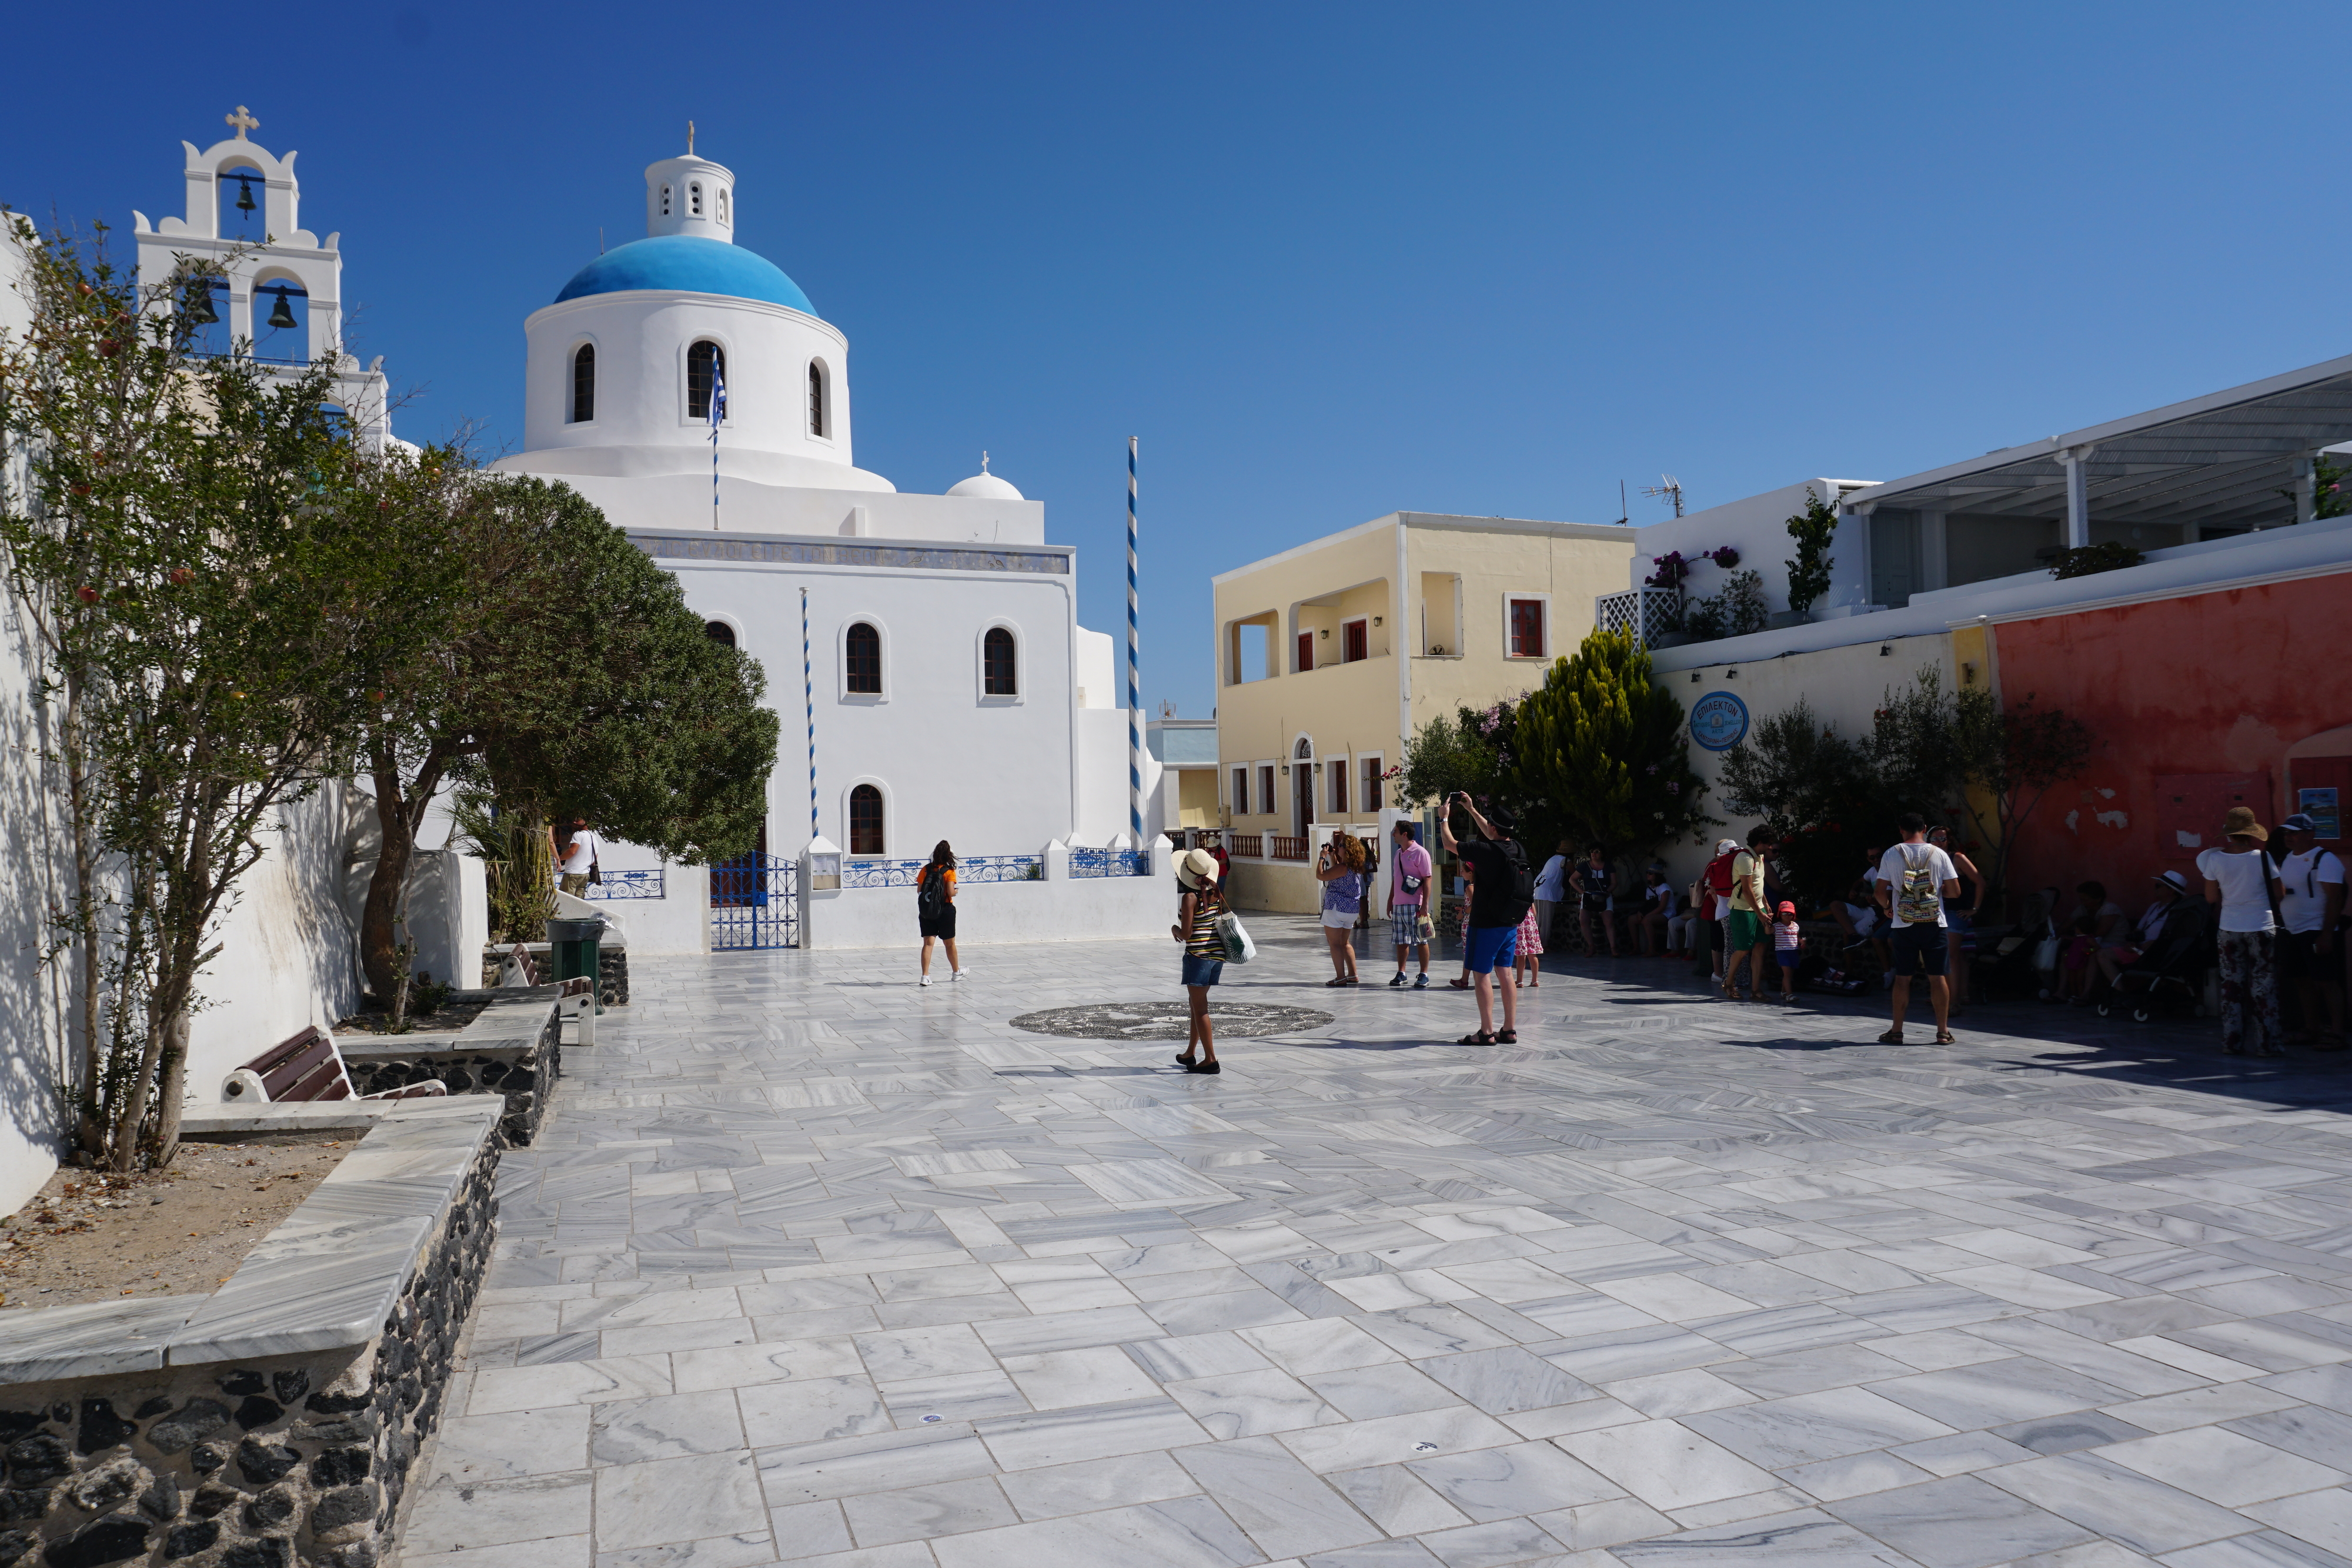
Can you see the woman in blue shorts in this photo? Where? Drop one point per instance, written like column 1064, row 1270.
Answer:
column 1197, row 908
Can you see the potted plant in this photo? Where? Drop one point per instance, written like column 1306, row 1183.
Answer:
column 1808, row 570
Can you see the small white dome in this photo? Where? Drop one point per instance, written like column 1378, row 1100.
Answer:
column 985, row 484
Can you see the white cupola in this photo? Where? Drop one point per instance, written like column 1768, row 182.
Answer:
column 690, row 195
column 985, row 484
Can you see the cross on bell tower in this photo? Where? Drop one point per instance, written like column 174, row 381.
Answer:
column 242, row 121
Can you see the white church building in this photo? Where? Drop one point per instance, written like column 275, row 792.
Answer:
column 923, row 651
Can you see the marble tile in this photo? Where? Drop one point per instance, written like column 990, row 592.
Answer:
column 2221, row 1465
column 2322, row 1518
column 1194, row 1355
column 1488, row 1484
column 2119, row 1503
column 1282, row 1505
column 922, row 1353
column 1397, row 1499
column 2265, row 1548
column 1394, row 1439
column 1781, row 1433
column 2065, row 1434
column 1995, row 1393
column 1251, row 1403
column 469, row 1448
column 809, row 1410
column 919, row 1513
column 1088, row 1432
column 1089, row 1485
column 2198, row 1407
column 1588, row 1527
column 1390, row 1389
column 1853, row 1475
column 1959, row 1523
column 1666, row 1464
column 449, row 1515
column 551, row 1552
column 1804, row 1538
column 1490, row 1546
column 879, row 1461
column 1502, row 1380
column 1183, row 1532
column 634, row 1431
column 1100, row 1374
column 496, row 1389
column 951, row 1396
column 1319, row 1345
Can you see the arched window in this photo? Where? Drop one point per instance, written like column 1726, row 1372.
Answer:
column 864, row 661
column 816, row 398
column 694, row 199
column 703, row 361
column 866, row 820
column 584, row 383
column 998, row 675
column 724, row 216
column 720, row 633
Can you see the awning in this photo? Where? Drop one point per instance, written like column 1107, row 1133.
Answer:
column 2227, row 459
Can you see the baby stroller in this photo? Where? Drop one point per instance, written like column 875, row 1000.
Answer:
column 2169, row 978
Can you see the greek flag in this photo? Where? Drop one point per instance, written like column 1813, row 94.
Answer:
column 718, row 397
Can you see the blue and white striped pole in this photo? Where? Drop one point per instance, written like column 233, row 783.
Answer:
column 718, row 415
column 1134, row 685
column 808, row 696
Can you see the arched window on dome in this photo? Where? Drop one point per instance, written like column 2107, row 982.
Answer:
column 999, row 672
column 694, row 199
column 817, row 421
column 864, row 649
column 703, row 361
column 725, row 216
column 584, row 383
column 665, row 201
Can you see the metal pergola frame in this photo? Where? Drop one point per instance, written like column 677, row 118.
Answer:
column 2234, row 459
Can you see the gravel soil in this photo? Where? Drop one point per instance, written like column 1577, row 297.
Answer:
column 448, row 1017
column 182, row 1230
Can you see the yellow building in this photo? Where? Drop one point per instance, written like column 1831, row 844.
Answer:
column 1314, row 703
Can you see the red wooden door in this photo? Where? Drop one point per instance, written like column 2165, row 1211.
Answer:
column 1306, row 650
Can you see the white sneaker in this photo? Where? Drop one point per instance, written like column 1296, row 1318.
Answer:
column 924, row 981
column 957, row 975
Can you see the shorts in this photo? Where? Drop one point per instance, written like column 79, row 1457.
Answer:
column 941, row 925
column 1918, row 949
column 2299, row 957
column 1744, row 929
column 1339, row 920
column 1199, row 971
column 1964, row 924
column 1490, row 946
column 575, row 883
column 1596, row 903
column 1404, row 925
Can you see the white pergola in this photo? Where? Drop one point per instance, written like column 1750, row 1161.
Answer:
column 2234, row 459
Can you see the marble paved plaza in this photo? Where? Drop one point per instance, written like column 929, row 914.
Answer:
column 812, row 1266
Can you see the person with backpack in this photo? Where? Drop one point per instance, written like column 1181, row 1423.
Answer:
column 1199, row 907
column 1914, row 879
column 1710, row 902
column 935, row 909
column 1503, row 890
column 1746, row 934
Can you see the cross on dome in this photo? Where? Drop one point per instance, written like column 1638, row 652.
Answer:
column 243, row 120
column 689, row 139
column 983, row 461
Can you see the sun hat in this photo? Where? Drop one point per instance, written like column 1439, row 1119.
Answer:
column 2173, row 880
column 2300, row 822
column 2241, row 824
column 1194, row 867
column 1726, row 846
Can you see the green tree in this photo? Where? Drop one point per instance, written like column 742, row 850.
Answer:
column 1601, row 752
column 1808, row 570
column 1818, row 789
column 1450, row 754
column 200, row 586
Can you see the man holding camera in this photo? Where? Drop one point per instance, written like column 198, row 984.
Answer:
column 1502, row 887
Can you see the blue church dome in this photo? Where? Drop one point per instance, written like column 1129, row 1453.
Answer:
column 690, row 263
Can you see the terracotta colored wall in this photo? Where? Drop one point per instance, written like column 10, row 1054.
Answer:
column 2213, row 684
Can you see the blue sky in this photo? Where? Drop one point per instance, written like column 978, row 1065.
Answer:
column 1326, row 261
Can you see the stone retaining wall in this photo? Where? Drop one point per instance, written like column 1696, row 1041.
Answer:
column 612, row 968
column 271, row 1429
column 490, row 1056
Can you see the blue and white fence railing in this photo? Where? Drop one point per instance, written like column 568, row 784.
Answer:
column 968, row 868
column 1109, row 862
column 627, row 884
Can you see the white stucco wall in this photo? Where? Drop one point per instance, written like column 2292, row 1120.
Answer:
column 1758, row 528
column 993, row 913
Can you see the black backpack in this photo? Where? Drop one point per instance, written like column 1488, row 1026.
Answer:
column 1522, row 882
column 931, row 892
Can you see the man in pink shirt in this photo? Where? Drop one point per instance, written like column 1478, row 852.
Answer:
column 1410, row 872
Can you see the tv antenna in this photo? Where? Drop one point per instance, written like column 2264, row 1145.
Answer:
column 1624, row 513
column 1667, row 485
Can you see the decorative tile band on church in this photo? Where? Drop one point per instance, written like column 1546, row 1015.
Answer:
column 950, row 691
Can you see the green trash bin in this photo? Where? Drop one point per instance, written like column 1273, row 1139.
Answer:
column 573, row 944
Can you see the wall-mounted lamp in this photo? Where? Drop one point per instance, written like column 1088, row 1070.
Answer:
column 1693, row 677
column 1376, row 619
column 1732, row 673
column 1885, row 649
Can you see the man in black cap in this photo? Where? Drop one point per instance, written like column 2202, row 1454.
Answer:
column 1502, row 890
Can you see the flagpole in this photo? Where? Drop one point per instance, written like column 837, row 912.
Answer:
column 808, row 696
column 718, row 414
column 1134, row 685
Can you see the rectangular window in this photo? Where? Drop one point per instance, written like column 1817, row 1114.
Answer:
column 1355, row 642
column 1265, row 789
column 1371, row 766
column 1241, row 792
column 1526, row 628
column 1337, row 769
column 1306, row 651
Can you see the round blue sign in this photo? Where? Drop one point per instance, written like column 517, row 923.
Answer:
column 1718, row 720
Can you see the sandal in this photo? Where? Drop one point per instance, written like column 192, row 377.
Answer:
column 1944, row 1037
column 1476, row 1040
column 1458, row 984
column 1507, row 1036
column 1892, row 1037
column 1203, row 1067
column 1336, row 981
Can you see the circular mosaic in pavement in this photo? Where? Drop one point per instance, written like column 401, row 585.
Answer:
column 1167, row 1020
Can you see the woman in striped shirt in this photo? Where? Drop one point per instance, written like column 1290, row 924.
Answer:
column 1204, row 952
